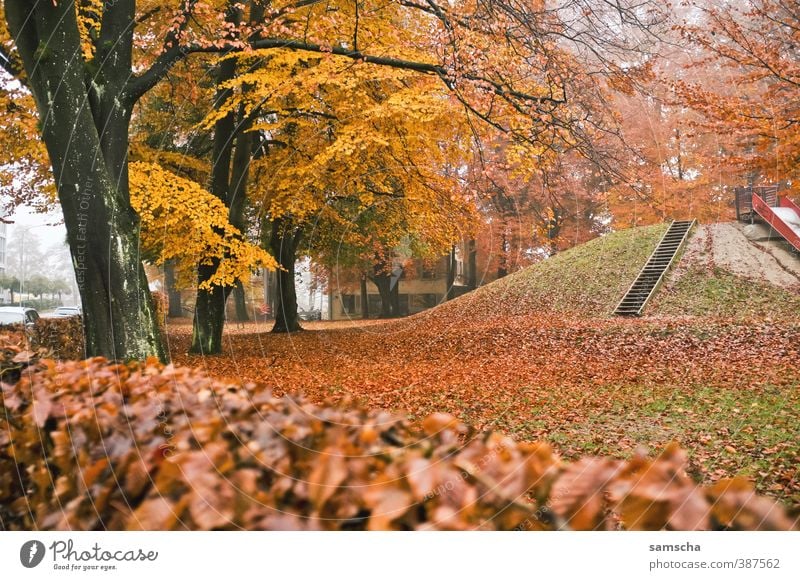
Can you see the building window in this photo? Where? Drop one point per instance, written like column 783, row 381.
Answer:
column 349, row 303
column 419, row 302
column 429, row 272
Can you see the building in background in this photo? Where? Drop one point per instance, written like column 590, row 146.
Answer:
column 421, row 285
column 5, row 295
column 3, row 235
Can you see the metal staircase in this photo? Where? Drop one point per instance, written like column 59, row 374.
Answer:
column 653, row 271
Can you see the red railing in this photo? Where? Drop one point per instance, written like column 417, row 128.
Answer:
column 763, row 209
column 786, row 202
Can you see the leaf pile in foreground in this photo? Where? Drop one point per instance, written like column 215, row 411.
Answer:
column 60, row 338
column 601, row 387
column 95, row 445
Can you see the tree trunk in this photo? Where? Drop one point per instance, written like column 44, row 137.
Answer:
column 395, row 298
column 502, row 266
column 364, row 298
column 175, row 309
column 451, row 273
column 209, row 311
column 84, row 126
column 209, row 314
column 283, row 244
column 472, row 265
column 241, row 302
column 382, row 282
column 237, row 198
column 229, row 184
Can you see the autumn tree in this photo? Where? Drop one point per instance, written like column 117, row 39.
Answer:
column 352, row 165
column 677, row 166
column 530, row 209
column 87, row 64
column 286, row 92
column 752, row 47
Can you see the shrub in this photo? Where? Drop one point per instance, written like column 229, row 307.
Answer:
column 92, row 445
column 14, row 353
column 62, row 338
column 59, row 338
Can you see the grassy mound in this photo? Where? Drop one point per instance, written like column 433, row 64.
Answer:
column 718, row 292
column 589, row 279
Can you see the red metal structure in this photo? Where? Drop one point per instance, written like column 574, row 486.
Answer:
column 783, row 216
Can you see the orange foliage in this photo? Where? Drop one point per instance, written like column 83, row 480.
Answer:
column 751, row 48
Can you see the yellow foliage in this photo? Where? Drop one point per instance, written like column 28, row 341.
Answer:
column 89, row 13
column 182, row 221
column 357, row 140
column 25, row 174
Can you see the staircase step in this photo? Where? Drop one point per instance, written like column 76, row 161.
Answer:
column 651, row 273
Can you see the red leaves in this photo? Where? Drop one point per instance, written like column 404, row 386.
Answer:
column 42, row 406
column 329, row 471
column 736, row 506
column 242, row 458
column 578, row 495
column 659, row 494
column 589, row 386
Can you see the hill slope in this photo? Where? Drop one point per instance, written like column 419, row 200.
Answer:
column 722, row 273
column 538, row 356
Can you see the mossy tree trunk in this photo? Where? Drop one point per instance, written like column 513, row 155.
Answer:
column 85, row 116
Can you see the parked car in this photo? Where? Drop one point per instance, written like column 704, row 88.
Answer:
column 66, row 311
column 313, row 314
column 18, row 315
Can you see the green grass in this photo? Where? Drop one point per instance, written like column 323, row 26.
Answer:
column 700, row 292
column 749, row 432
column 589, row 279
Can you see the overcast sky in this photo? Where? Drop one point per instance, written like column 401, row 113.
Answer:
column 49, row 227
